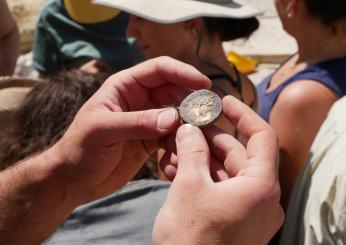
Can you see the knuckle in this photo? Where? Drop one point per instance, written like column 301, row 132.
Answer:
column 192, row 149
column 165, row 58
column 272, row 134
column 269, row 194
column 190, row 179
column 141, row 121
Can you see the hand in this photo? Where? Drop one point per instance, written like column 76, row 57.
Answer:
column 244, row 209
column 96, row 66
column 116, row 130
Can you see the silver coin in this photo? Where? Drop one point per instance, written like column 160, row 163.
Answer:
column 201, row 108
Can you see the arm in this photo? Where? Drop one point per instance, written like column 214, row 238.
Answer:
column 296, row 117
column 9, row 40
column 106, row 144
column 35, row 199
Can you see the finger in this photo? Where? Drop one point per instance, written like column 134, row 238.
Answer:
column 102, row 66
column 169, row 94
column 156, row 72
column 129, row 88
column 144, row 125
column 127, row 169
column 262, row 143
column 169, row 162
column 169, row 143
column 193, row 153
column 217, row 170
column 226, row 149
column 169, row 165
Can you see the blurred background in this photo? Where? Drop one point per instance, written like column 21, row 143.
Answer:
column 266, row 48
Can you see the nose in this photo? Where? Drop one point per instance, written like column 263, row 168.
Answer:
column 132, row 30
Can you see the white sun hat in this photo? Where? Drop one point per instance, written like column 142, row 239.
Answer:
column 173, row 11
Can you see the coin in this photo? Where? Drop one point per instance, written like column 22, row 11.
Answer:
column 201, row 108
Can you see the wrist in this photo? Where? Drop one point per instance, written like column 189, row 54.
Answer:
column 170, row 228
column 59, row 170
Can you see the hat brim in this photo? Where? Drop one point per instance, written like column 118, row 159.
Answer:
column 169, row 11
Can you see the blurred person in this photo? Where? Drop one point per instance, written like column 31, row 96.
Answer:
column 316, row 211
column 109, row 140
column 77, row 34
column 296, row 99
column 193, row 32
column 9, row 40
column 44, row 114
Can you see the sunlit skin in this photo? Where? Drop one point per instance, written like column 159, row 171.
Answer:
column 302, row 106
column 156, row 39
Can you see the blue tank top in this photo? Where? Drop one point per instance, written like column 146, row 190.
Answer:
column 331, row 73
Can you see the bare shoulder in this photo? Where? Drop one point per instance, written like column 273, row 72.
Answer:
column 306, row 95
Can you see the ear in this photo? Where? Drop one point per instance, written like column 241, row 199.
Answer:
column 292, row 7
column 194, row 25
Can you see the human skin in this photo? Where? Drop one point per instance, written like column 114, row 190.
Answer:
column 302, row 106
column 106, row 144
column 241, row 209
column 110, row 138
column 180, row 40
column 9, row 40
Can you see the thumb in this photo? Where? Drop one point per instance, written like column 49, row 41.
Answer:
column 144, row 125
column 193, row 153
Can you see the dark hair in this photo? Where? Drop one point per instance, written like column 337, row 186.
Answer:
column 46, row 112
column 327, row 11
column 231, row 29
column 44, row 115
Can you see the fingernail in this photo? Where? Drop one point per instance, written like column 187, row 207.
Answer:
column 167, row 118
column 186, row 131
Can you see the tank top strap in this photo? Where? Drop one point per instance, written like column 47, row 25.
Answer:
column 331, row 73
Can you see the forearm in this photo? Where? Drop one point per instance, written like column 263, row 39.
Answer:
column 34, row 200
column 9, row 51
column 9, row 40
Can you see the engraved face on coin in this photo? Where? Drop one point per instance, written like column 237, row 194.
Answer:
column 201, row 108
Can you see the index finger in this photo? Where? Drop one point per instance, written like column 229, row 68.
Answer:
column 156, row 72
column 262, row 142
column 129, row 89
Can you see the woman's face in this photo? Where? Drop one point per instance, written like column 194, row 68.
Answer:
column 156, row 39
